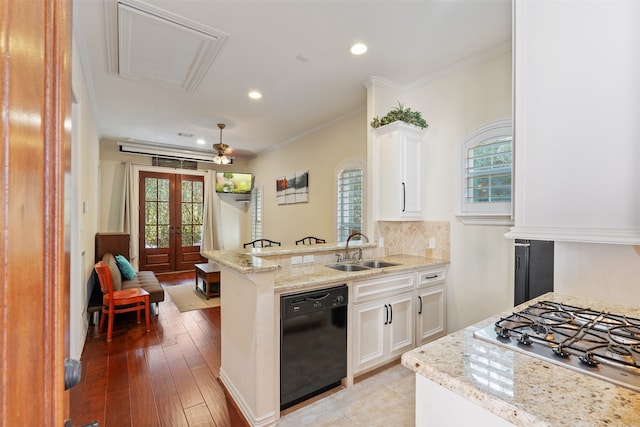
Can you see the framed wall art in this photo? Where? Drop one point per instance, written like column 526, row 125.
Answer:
column 292, row 188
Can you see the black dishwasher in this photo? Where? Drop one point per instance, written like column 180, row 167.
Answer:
column 313, row 343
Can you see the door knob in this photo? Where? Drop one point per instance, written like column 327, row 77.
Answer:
column 72, row 372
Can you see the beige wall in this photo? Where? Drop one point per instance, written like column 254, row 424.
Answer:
column 85, row 207
column 481, row 257
column 323, row 153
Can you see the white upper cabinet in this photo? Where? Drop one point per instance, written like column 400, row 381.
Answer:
column 576, row 132
column 398, row 179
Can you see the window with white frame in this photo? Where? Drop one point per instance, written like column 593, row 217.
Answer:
column 485, row 169
column 256, row 213
column 350, row 203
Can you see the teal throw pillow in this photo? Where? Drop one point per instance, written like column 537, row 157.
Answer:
column 125, row 268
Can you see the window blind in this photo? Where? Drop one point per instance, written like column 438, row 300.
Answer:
column 256, row 213
column 488, row 171
column 350, row 193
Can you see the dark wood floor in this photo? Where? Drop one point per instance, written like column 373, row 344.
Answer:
column 167, row 377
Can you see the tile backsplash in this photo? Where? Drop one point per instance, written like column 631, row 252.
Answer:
column 412, row 238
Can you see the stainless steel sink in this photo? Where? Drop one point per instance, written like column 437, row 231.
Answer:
column 375, row 263
column 361, row 265
column 348, row 267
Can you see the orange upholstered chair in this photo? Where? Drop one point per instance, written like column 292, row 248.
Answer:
column 122, row 301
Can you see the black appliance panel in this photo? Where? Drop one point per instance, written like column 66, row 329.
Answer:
column 313, row 343
column 533, row 269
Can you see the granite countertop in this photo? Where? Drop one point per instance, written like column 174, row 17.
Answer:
column 241, row 262
column 530, row 392
column 305, row 276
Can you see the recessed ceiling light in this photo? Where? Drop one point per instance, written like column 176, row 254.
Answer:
column 358, row 48
column 254, row 94
column 201, row 141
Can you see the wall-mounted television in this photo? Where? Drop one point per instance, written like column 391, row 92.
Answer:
column 234, row 182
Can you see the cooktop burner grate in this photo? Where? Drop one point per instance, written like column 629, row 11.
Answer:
column 600, row 344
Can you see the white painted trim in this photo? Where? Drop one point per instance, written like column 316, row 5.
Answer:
column 458, row 66
column 488, row 219
column 582, row 235
column 481, row 213
column 267, row 420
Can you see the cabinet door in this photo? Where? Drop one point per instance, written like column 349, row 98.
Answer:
column 398, row 182
column 369, row 323
column 400, row 325
column 430, row 320
column 411, row 177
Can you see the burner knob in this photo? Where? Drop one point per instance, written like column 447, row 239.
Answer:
column 503, row 333
column 588, row 359
column 524, row 339
column 561, row 352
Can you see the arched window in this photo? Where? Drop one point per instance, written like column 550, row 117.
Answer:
column 350, row 202
column 485, row 170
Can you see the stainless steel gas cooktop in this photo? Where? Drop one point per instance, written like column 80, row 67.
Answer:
column 596, row 343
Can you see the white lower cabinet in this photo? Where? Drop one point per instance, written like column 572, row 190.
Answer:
column 431, row 301
column 382, row 330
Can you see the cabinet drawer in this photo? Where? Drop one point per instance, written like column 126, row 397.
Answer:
column 431, row 277
column 366, row 290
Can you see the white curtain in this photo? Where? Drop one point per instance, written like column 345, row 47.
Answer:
column 211, row 222
column 129, row 217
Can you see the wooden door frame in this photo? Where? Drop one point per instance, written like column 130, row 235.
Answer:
column 136, row 196
column 35, row 222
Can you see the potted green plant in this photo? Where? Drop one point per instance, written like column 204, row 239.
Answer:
column 400, row 113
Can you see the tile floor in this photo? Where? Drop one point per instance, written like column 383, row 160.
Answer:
column 384, row 399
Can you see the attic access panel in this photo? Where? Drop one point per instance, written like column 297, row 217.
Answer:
column 162, row 48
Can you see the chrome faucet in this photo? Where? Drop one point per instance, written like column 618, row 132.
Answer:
column 346, row 248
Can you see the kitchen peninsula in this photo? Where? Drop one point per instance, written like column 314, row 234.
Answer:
column 464, row 380
column 251, row 286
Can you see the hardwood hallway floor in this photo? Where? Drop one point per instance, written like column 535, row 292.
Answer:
column 167, row 377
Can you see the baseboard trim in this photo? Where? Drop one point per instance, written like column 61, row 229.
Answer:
column 266, row 420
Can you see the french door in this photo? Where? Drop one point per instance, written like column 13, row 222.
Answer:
column 171, row 212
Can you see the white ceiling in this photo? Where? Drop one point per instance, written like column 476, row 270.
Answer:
column 295, row 52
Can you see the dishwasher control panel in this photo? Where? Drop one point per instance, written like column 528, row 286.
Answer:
column 307, row 302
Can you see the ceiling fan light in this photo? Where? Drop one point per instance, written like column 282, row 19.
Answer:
column 220, row 158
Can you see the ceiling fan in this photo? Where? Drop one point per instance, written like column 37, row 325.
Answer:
column 223, row 150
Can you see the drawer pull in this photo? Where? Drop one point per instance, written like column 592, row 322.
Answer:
column 435, row 276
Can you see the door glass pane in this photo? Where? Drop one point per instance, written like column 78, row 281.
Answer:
column 198, row 191
column 163, row 190
column 156, row 230
column 187, row 191
column 197, row 235
column 187, row 214
column 151, row 189
column 163, row 236
column 151, row 236
column 187, row 235
column 197, row 213
column 191, row 212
